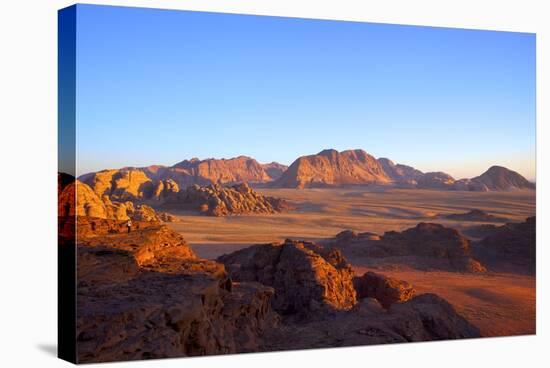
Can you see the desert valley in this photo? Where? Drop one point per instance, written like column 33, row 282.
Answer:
column 337, row 249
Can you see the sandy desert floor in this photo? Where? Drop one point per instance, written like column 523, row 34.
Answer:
column 499, row 304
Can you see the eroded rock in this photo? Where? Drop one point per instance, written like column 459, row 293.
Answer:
column 306, row 277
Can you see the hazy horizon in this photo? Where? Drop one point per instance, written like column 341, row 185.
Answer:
column 158, row 87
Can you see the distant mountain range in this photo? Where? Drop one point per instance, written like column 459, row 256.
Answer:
column 328, row 168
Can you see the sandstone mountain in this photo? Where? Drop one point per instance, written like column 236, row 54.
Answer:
column 500, row 178
column 332, row 168
column 274, row 170
column 149, row 182
column 328, row 168
column 401, row 174
column 436, row 180
column 215, row 200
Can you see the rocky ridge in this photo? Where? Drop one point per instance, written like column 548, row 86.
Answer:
column 215, row 200
column 427, row 246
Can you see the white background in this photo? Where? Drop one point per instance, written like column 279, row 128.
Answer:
column 28, row 108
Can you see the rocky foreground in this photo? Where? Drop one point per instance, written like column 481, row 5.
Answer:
column 147, row 295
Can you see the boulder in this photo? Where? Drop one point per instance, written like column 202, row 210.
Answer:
column 386, row 290
column 305, row 276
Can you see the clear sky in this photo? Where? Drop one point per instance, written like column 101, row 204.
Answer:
column 158, row 87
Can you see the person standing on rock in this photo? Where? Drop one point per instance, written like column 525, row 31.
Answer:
column 129, row 225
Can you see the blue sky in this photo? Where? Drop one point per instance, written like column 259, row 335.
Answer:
column 158, row 86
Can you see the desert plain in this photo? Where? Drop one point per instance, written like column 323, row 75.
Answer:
column 498, row 304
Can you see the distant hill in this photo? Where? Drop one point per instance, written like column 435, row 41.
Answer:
column 333, row 168
column 501, row 178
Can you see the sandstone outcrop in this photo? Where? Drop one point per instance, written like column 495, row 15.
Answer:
column 332, row 168
column 436, row 180
column 387, row 290
column 425, row 317
column 401, row 174
column 215, row 200
column 274, row 170
column 425, row 246
column 78, row 199
column 306, row 277
column 510, row 248
column 146, row 295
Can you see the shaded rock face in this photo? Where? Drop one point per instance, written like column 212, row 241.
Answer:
column 63, row 180
column 475, row 215
column 333, row 168
column 305, row 276
column 426, row 317
column 402, row 174
column 511, row 247
column 433, row 241
column 386, row 290
column 215, row 200
column 426, row 246
column 146, row 295
column 436, row 180
column 274, row 170
column 439, row 319
column 164, row 189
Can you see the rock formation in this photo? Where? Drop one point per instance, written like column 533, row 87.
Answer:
column 475, row 215
column 146, row 295
column 498, row 178
column 332, row 168
column 78, row 199
column 215, row 200
column 436, row 180
column 306, row 277
column 274, row 170
column 509, row 248
column 425, row 246
column 328, row 168
column 425, row 317
column 401, row 174
column 124, row 184
column 386, row 290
